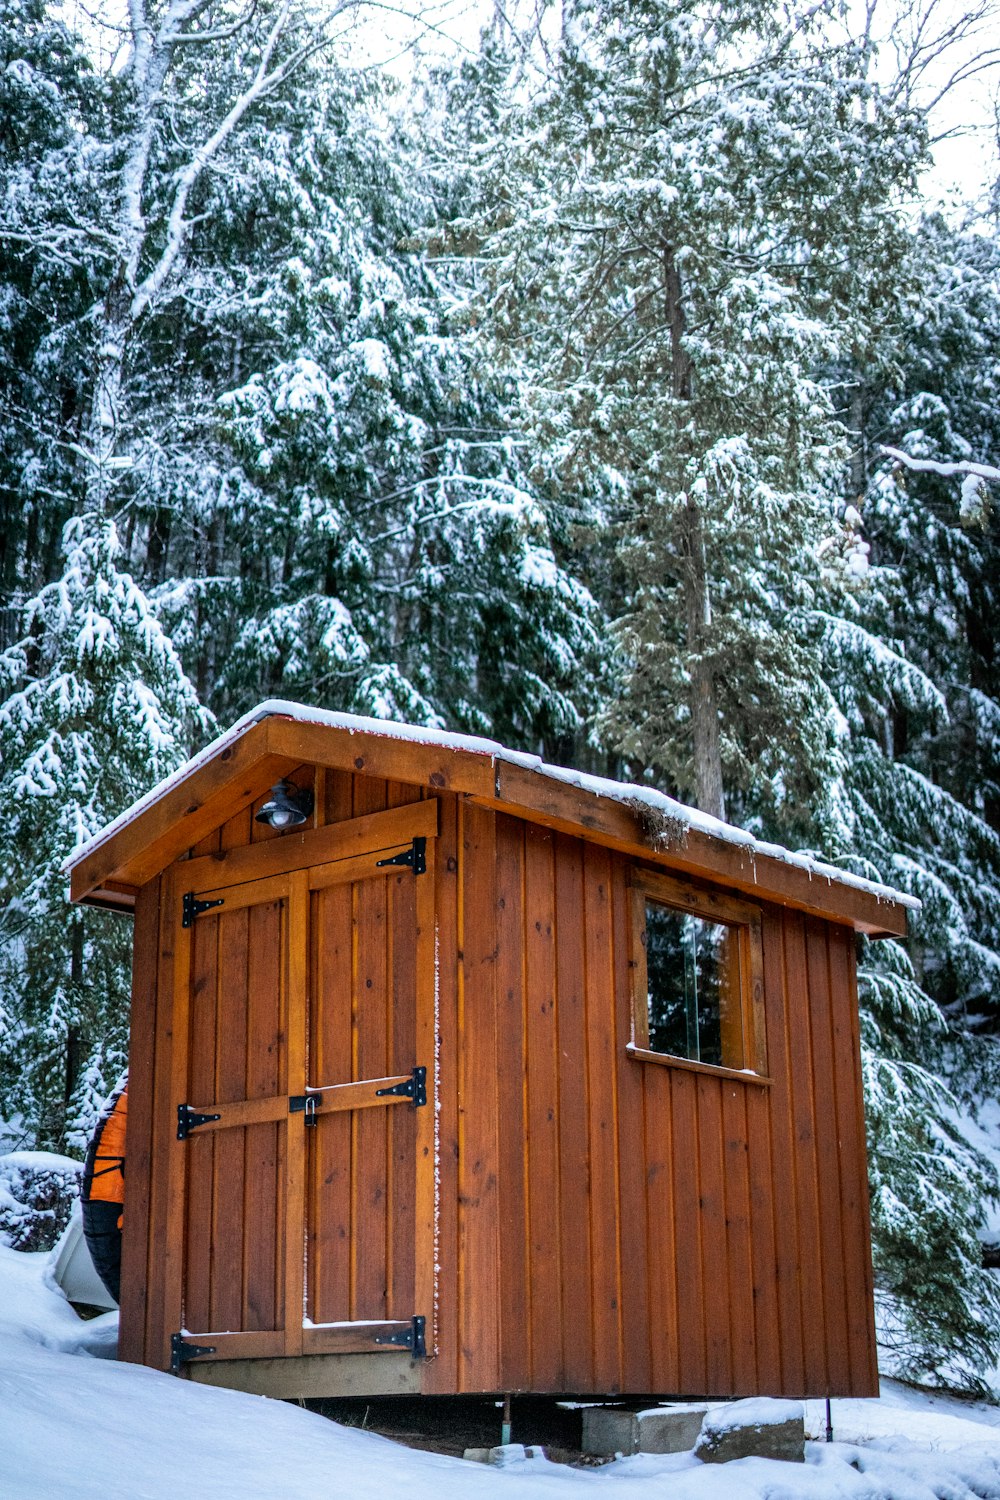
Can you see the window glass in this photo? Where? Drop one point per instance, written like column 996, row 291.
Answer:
column 693, row 987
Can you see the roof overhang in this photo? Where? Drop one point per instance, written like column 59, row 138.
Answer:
column 277, row 737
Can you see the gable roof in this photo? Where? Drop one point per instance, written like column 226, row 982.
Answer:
column 274, row 738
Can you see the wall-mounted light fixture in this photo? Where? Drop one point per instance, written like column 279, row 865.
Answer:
column 287, row 806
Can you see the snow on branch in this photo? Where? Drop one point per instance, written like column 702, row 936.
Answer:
column 973, row 476
column 268, row 76
column 949, row 470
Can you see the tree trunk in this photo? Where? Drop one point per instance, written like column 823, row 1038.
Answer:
column 106, row 415
column 705, row 746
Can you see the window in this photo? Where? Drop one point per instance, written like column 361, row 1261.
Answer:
column 697, row 976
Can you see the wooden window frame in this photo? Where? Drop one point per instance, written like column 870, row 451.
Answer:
column 710, row 906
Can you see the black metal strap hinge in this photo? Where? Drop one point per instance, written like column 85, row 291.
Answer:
column 414, row 1089
column 306, row 1104
column 191, row 907
column 415, row 858
column 181, row 1351
column 188, row 1120
column 412, row 1338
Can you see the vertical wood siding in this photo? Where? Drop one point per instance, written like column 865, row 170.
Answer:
column 660, row 1229
column 604, row 1224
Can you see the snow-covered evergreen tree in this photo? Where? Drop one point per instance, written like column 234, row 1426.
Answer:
column 340, row 515
column 684, row 217
column 53, row 114
column 911, row 662
column 689, row 250
column 94, row 708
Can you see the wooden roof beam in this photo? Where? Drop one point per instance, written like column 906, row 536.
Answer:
column 574, row 810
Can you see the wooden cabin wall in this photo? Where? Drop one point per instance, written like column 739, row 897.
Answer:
column 650, row 1228
column 604, row 1224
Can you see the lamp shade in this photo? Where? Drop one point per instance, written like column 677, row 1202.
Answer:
column 287, row 806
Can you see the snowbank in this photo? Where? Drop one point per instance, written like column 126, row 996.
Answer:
column 73, row 1427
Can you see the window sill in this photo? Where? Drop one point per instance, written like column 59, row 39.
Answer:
column 664, row 1060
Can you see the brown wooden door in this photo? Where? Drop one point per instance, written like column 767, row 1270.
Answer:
column 302, row 1182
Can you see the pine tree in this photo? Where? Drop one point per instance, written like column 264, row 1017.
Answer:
column 690, row 258
column 689, row 211
column 95, row 708
column 53, row 114
column 911, row 663
column 352, row 524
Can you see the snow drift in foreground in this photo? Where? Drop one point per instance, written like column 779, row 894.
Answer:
column 76, row 1426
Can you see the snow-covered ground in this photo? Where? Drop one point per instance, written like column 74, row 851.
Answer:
column 72, row 1425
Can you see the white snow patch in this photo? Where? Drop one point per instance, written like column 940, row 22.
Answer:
column 160, row 1436
column 758, row 1411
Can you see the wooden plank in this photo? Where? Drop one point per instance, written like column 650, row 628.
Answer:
column 739, row 1261
column 573, row 1106
column 639, row 974
column 784, row 1009
column 237, row 831
column 142, row 1042
column 299, row 848
column 515, row 1320
column 163, row 1139
column 353, row 1338
column 714, row 1245
column 542, row 1098
column 228, row 1209
column 851, row 1158
column 338, row 800
column 851, row 1132
column 234, row 898
column 658, row 1148
column 632, row 1216
column 238, row 1113
column 689, row 1065
column 401, row 1124
column 427, row 1206
column 370, row 1169
column 601, row 1132
column 479, row 1264
column 763, row 1252
column 805, row 1157
column 114, row 896
column 707, row 902
column 290, row 1266
column 753, row 942
column 441, row 1375
column 199, row 1150
column 692, row 1335
column 372, row 866
column 314, row 1375
column 267, row 1031
column 169, row 1159
column 244, row 1344
column 364, row 1094
column 558, row 805
column 834, row 1287
column 330, row 1061
column 435, row 767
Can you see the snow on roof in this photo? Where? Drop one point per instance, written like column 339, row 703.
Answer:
column 673, row 817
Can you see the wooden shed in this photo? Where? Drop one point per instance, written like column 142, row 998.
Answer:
column 487, row 1078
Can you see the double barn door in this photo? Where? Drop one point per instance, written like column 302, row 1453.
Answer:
column 301, row 1183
